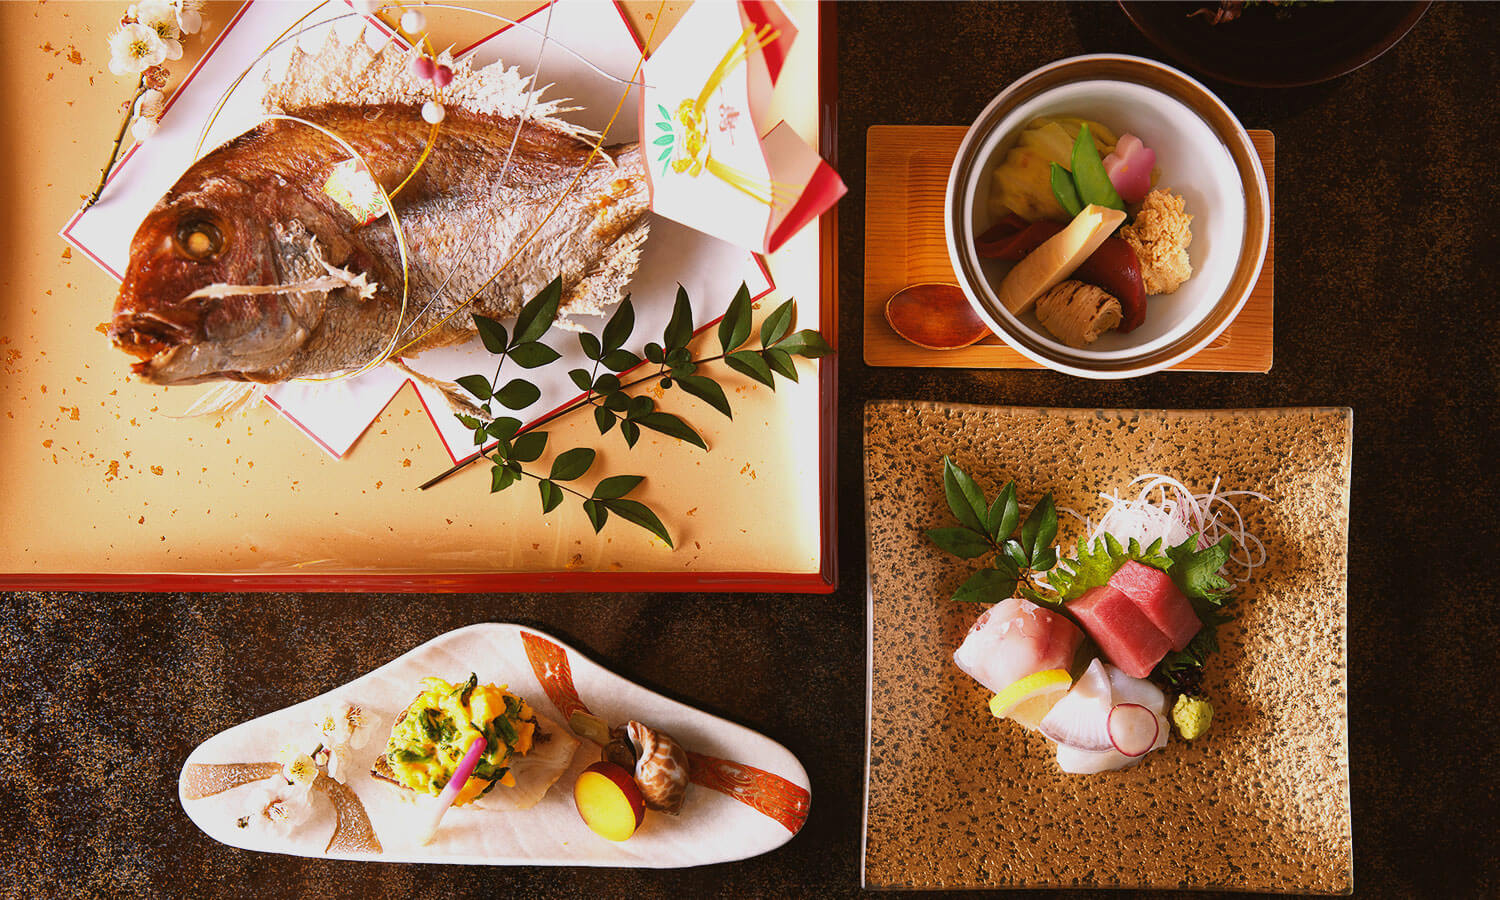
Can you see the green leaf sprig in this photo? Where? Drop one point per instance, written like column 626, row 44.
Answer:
column 989, row 529
column 508, row 448
column 986, row 528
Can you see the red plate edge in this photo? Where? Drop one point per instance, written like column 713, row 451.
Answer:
column 825, row 581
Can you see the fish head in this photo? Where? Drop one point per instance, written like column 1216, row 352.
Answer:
column 216, row 232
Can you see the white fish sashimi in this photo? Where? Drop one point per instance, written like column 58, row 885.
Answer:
column 1013, row 639
column 1079, row 723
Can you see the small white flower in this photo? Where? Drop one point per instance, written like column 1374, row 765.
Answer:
column 134, row 48
column 151, row 104
column 143, row 128
column 298, row 767
column 161, row 17
column 345, row 725
column 277, row 807
column 189, row 15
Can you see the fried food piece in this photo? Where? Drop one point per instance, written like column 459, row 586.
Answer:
column 1077, row 313
column 1160, row 236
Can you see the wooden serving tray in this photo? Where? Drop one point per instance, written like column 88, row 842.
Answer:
column 906, row 176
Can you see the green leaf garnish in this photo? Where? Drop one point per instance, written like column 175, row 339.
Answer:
column 734, row 328
column 964, row 543
column 572, row 464
column 538, row 313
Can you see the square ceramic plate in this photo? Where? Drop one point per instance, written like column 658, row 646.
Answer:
column 956, row 798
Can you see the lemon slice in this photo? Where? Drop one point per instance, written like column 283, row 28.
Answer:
column 1028, row 699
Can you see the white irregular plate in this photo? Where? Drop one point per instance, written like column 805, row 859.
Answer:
column 748, row 793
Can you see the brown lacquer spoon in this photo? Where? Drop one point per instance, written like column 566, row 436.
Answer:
column 934, row 316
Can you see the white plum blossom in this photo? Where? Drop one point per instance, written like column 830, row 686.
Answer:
column 277, row 807
column 189, row 15
column 133, row 48
column 342, row 728
column 161, row 17
column 143, row 128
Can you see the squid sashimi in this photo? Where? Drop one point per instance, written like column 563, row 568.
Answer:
column 1161, row 601
column 1109, row 720
column 1014, row 639
column 1127, row 637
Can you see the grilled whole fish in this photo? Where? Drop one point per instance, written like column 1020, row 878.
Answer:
column 291, row 285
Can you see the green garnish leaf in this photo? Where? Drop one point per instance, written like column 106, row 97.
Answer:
column 1015, row 553
column 1004, row 514
column 707, row 390
column 619, row 327
column 518, row 394
column 604, row 419
column 617, row 486
column 986, row 586
column 631, row 433
column 777, row 324
column 533, row 354
column 582, row 379
column 748, row 362
column 477, row 385
column 552, row 495
column 965, row 498
column 503, row 428
column 806, row 343
column 529, row 446
column 638, row 514
column 620, row 360
column 502, row 477
column 1196, row 572
column 670, row 425
column 590, row 345
column 964, row 543
column 1039, row 529
column 492, row 333
column 538, row 314
column 679, row 328
column 780, row 361
column 734, row 328
column 572, row 464
column 597, row 514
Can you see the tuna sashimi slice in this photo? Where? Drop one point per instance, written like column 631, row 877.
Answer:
column 1016, row 638
column 1158, row 597
column 1121, row 630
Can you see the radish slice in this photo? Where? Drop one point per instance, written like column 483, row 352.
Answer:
column 1132, row 729
column 450, row 790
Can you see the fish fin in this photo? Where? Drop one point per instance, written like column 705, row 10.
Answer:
column 351, row 71
column 223, row 399
column 603, row 287
column 458, row 401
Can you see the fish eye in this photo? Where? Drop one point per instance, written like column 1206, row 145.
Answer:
column 198, row 238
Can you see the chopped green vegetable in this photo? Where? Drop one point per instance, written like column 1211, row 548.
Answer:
column 1094, row 186
column 1065, row 191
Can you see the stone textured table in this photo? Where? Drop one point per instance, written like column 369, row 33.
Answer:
column 1385, row 301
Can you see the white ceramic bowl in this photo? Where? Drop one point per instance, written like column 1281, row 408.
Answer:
column 1202, row 153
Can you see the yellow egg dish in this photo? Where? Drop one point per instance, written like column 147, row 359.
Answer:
column 440, row 724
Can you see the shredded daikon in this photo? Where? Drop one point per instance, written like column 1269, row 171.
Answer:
column 1168, row 509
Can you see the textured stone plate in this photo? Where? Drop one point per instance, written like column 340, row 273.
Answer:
column 748, row 794
column 956, row 798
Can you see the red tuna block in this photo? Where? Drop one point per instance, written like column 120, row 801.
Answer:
column 1121, row 630
column 1161, row 601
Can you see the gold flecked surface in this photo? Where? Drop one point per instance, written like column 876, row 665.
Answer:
column 957, row 798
